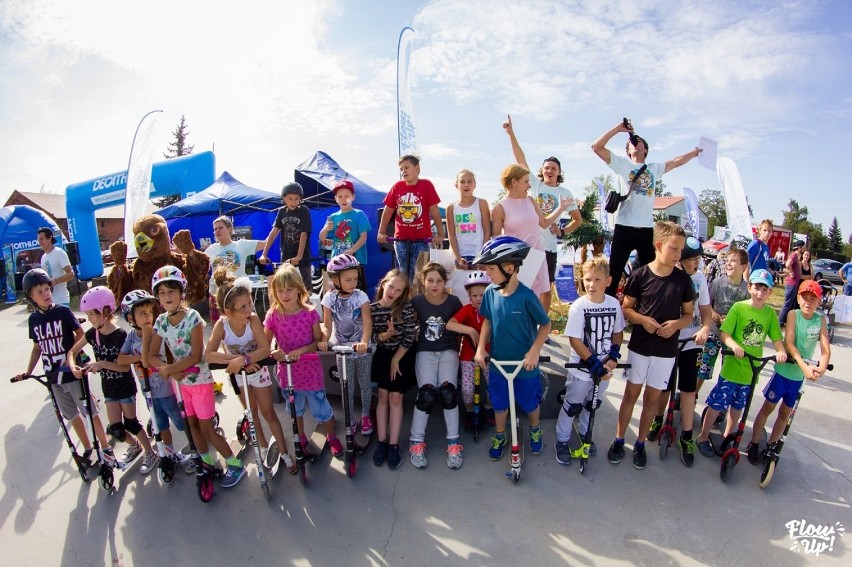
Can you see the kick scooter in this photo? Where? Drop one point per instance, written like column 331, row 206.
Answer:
column 248, row 418
column 772, row 454
column 502, row 366
column 477, row 402
column 167, row 465
column 353, row 449
column 83, row 464
column 592, row 406
column 668, row 432
column 302, row 456
column 731, row 443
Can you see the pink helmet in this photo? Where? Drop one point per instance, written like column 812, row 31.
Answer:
column 477, row 278
column 342, row 262
column 97, row 298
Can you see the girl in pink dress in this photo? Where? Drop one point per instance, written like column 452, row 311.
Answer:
column 518, row 215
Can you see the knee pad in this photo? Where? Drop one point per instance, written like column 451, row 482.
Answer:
column 132, row 425
column 573, row 410
column 427, row 396
column 447, row 394
column 588, row 405
column 117, row 432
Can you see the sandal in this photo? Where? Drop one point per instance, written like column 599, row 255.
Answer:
column 292, row 468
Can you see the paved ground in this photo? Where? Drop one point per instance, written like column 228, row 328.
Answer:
column 666, row 514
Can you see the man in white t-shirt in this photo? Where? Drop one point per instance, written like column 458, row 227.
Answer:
column 545, row 188
column 634, row 219
column 55, row 262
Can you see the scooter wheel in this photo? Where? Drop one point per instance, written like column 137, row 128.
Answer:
column 149, row 429
column 205, row 489
column 167, row 470
column 476, row 436
column 665, row 443
column 729, row 461
column 351, row 466
column 265, row 487
column 107, row 478
column 582, row 466
column 768, row 472
column 242, row 430
column 516, row 476
column 303, row 478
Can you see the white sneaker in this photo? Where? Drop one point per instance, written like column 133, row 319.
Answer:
column 132, row 452
column 454, row 455
column 189, row 466
column 149, row 462
column 417, row 454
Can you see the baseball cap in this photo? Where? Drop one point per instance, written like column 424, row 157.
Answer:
column 692, row 249
column 345, row 184
column 811, row 286
column 761, row 277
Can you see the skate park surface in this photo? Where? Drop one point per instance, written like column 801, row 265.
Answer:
column 666, row 514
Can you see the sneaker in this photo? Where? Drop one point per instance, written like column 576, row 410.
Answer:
column 489, row 417
column 654, row 431
column 87, row 455
column 455, row 459
column 563, row 453
column 132, row 452
column 417, row 454
column 536, row 443
column 394, row 457
column 640, row 459
column 149, row 462
column 273, row 455
column 706, row 449
column 616, row 452
column 380, row 455
column 190, row 465
column 232, row 476
column 498, row 443
column 687, row 451
column 336, row 447
column 753, row 453
column 366, row 426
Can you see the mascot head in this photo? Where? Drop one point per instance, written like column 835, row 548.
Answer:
column 151, row 236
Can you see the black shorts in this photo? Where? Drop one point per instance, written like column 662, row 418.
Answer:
column 550, row 257
column 688, row 362
column 381, row 370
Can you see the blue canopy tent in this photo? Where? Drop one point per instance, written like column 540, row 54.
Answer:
column 18, row 227
column 247, row 206
column 318, row 175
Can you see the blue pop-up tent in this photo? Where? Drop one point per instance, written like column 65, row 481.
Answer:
column 18, row 227
column 318, row 175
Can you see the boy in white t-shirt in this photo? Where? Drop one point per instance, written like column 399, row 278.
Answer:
column 595, row 329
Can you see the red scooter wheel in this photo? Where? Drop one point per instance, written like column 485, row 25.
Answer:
column 351, row 466
column 205, row 489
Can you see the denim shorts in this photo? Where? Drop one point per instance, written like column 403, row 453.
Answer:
column 165, row 409
column 127, row 400
column 320, row 408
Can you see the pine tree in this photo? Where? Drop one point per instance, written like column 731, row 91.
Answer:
column 177, row 148
column 835, row 237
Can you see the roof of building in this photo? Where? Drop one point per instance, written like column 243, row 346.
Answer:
column 54, row 205
column 666, row 202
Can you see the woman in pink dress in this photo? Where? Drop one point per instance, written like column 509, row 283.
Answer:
column 518, row 215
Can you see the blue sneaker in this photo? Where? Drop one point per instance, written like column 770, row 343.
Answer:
column 536, row 443
column 232, row 476
column 498, row 443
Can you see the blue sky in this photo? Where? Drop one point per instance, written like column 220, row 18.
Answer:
column 271, row 83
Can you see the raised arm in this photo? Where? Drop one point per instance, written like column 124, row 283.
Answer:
column 680, row 160
column 517, row 152
column 599, row 145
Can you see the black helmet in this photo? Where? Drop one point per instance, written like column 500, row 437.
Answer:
column 34, row 277
column 292, row 189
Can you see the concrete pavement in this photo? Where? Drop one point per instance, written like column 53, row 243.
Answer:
column 665, row 514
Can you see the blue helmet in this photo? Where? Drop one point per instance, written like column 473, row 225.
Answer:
column 502, row 249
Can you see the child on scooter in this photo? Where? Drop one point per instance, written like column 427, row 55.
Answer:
column 744, row 330
column 689, row 357
column 182, row 330
column 468, row 322
column 241, row 333
column 347, row 322
column 516, row 326
column 805, row 329
column 394, row 334
column 595, row 330
column 54, row 329
column 138, row 308
column 117, row 383
column 295, row 326
column 437, row 364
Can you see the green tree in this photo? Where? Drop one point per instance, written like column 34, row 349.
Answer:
column 817, row 238
column 660, row 189
column 835, row 237
column 796, row 217
column 177, row 148
column 712, row 203
column 591, row 229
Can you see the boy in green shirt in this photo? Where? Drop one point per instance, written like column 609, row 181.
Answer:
column 744, row 329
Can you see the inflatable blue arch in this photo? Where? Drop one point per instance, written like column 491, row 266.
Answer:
column 185, row 176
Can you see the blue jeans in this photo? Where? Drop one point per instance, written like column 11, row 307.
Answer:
column 407, row 252
column 847, row 289
column 790, row 302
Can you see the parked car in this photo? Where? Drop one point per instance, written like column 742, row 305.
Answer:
column 826, row 269
column 106, row 257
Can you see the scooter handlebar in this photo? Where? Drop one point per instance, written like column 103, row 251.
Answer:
column 349, row 350
column 728, row 352
column 268, row 361
column 582, row 366
column 541, row 360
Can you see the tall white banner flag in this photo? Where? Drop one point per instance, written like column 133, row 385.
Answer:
column 736, row 206
column 406, row 125
column 139, row 175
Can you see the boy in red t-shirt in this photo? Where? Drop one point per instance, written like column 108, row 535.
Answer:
column 468, row 322
column 414, row 200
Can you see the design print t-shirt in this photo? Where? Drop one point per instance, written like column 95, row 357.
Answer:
column 434, row 335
